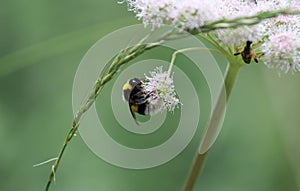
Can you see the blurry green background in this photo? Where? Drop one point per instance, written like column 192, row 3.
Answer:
column 42, row 43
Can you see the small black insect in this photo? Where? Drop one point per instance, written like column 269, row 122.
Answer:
column 247, row 53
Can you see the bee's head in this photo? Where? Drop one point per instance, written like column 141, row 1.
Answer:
column 128, row 86
column 134, row 81
column 248, row 42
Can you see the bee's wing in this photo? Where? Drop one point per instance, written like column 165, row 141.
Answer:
column 140, row 100
column 137, row 96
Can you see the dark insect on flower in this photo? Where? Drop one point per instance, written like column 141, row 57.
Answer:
column 247, row 53
column 140, row 101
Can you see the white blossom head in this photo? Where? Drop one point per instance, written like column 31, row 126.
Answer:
column 193, row 14
column 230, row 9
column 156, row 12
column 160, row 86
column 282, row 49
column 183, row 14
column 240, row 35
column 281, row 44
column 267, row 5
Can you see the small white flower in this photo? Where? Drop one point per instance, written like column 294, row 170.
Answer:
column 237, row 8
column 183, row 14
column 161, row 88
column 281, row 46
column 282, row 49
column 267, row 5
column 192, row 14
column 156, row 12
column 240, row 35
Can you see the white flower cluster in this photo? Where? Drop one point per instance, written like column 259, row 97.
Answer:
column 237, row 8
column 161, row 89
column 281, row 45
column 184, row 14
column 279, row 36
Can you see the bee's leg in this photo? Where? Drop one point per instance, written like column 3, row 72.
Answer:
column 261, row 55
column 133, row 108
column 256, row 43
column 257, row 57
column 237, row 53
column 254, row 56
column 239, row 48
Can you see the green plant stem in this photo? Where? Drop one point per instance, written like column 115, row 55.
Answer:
column 230, row 78
column 242, row 21
column 123, row 57
column 187, row 50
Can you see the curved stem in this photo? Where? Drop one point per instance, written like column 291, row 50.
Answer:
column 213, row 128
column 123, row 57
column 186, row 50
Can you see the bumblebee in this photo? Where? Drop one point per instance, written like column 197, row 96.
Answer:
column 247, row 53
column 139, row 100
